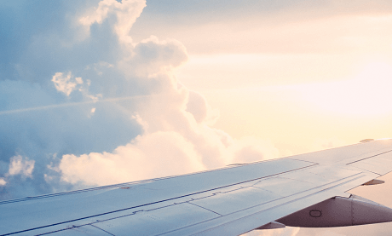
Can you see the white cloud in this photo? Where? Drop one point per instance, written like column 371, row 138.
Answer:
column 152, row 57
column 250, row 149
column 124, row 116
column 177, row 138
column 148, row 156
column 66, row 83
column 2, row 182
column 202, row 112
column 125, row 12
column 69, row 83
column 173, row 143
column 21, row 166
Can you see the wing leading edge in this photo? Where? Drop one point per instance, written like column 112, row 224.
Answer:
column 227, row 201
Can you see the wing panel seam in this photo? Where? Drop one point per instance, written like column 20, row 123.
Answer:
column 204, row 208
column 102, row 229
column 365, row 158
column 291, row 201
column 148, row 204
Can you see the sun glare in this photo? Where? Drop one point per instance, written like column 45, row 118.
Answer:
column 366, row 94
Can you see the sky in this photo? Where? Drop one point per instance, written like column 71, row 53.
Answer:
column 96, row 92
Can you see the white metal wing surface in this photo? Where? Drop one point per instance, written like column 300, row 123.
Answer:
column 227, row 201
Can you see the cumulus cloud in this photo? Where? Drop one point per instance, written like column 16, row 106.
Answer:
column 105, row 109
column 19, row 169
column 21, row 166
column 125, row 13
column 166, row 153
column 63, row 83
column 250, row 149
column 176, row 139
column 200, row 109
column 152, row 57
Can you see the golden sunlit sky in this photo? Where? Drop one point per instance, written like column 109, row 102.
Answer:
column 303, row 75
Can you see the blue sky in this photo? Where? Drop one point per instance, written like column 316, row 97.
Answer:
column 100, row 92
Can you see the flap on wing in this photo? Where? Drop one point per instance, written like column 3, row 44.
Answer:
column 155, row 222
column 380, row 164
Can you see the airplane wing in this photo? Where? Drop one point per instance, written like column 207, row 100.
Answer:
column 305, row 190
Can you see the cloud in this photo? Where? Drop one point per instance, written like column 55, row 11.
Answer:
column 176, row 138
column 164, row 153
column 126, row 12
column 250, row 149
column 63, row 83
column 89, row 106
column 21, row 166
column 199, row 108
column 152, row 57
column 82, row 103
